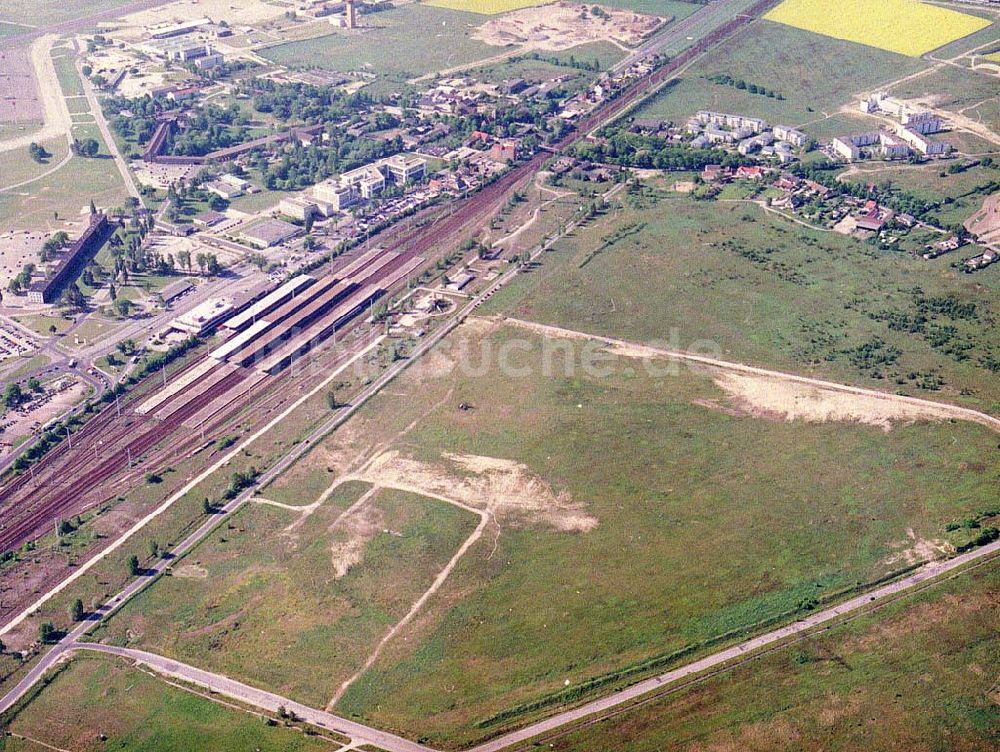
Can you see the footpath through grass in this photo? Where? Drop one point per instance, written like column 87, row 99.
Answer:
column 295, row 604
column 708, row 522
column 771, row 293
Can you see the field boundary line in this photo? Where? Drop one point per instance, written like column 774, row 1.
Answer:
column 735, row 655
column 966, row 413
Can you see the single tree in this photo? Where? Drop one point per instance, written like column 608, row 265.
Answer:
column 76, row 610
column 133, row 565
column 46, row 632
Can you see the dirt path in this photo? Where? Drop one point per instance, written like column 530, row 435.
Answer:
column 898, row 406
column 484, row 519
column 468, row 66
column 56, row 118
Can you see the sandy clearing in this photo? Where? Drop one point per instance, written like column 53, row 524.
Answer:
column 190, row 571
column 505, row 488
column 359, row 527
column 920, row 551
column 874, row 405
column 775, row 398
column 985, row 222
column 565, row 25
column 57, row 118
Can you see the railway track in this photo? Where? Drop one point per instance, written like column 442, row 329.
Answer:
column 34, row 515
column 24, row 522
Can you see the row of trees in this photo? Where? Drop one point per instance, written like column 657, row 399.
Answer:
column 649, row 152
column 724, row 79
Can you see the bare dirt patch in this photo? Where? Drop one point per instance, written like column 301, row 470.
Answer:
column 778, row 399
column 566, row 25
column 918, row 550
column 505, row 488
column 190, row 571
column 355, row 529
column 985, row 223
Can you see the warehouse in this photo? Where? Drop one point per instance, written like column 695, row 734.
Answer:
column 269, row 233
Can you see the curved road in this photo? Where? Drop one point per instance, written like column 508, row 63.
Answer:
column 359, row 733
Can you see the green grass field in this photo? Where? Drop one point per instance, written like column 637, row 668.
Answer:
column 69, row 78
column 487, row 7
column 17, row 166
column 924, row 668
column 708, row 523
column 815, row 75
column 262, row 600
column 67, row 191
column 770, row 293
column 96, row 694
column 666, row 8
column 9, row 29
column 424, row 39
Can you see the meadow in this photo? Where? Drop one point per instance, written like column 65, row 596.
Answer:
column 423, row 39
column 907, row 27
column 67, row 191
column 9, row 29
column 18, row 166
column 96, row 695
column 268, row 600
column 815, row 75
column 822, row 693
column 708, row 523
column 770, row 293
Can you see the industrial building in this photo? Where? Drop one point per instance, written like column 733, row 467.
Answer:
column 71, row 264
column 270, row 232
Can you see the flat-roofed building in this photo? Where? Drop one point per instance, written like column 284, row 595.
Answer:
column 791, row 135
column 203, row 317
column 298, row 207
column 405, row 168
column 269, row 233
column 340, row 197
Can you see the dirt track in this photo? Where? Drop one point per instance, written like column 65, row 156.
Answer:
column 830, row 399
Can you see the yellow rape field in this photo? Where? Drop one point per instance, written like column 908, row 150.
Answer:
column 487, row 7
column 904, row 26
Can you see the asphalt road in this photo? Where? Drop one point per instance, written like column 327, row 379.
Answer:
column 359, row 733
column 826, row 618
